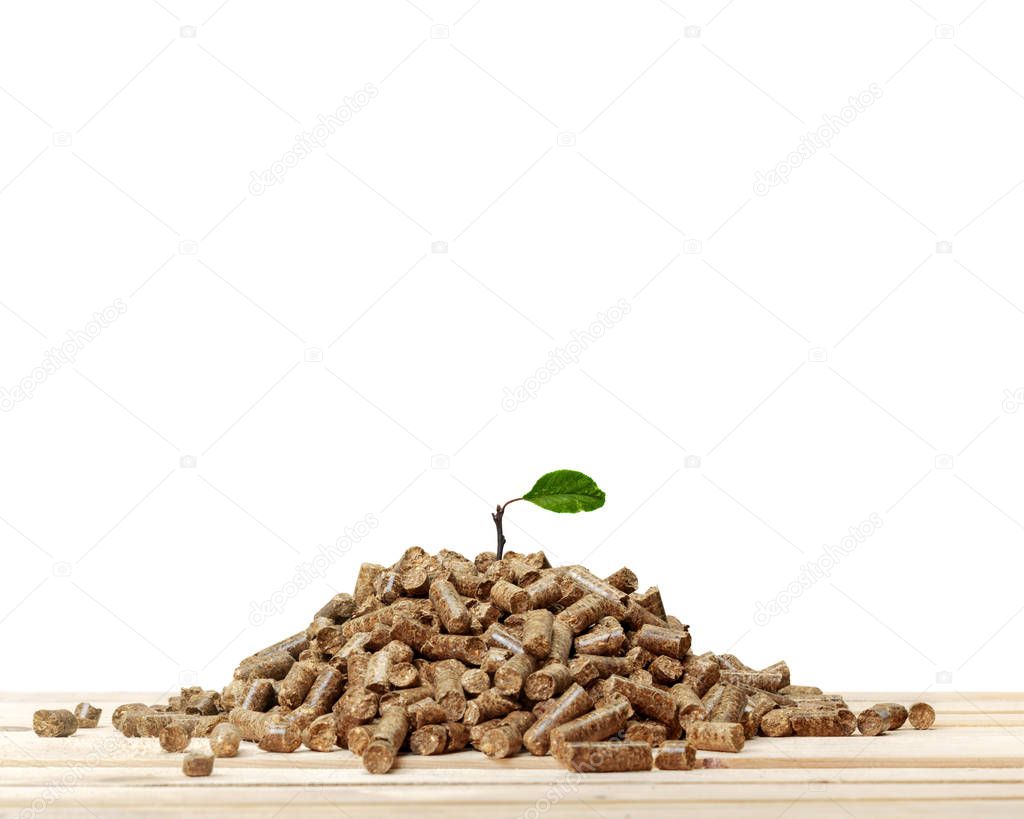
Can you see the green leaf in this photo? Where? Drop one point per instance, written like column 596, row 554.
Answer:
column 566, row 490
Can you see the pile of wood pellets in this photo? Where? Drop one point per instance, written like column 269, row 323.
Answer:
column 439, row 652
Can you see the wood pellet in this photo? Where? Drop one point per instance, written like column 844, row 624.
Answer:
column 224, row 740
column 607, row 757
column 88, row 715
column 197, row 764
column 174, row 737
column 921, row 716
column 58, row 723
column 676, row 755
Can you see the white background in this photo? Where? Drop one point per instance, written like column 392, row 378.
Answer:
column 816, row 349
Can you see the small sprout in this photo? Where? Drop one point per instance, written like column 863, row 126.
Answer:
column 563, row 490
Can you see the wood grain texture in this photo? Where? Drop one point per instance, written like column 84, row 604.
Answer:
column 970, row 763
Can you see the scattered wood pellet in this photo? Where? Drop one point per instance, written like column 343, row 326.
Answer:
column 174, row 737
column 122, row 711
column 874, row 721
column 280, row 737
column 321, row 734
column 506, row 738
column 897, row 714
column 197, row 764
column 650, row 600
column 675, row 755
column 800, row 690
column 574, row 702
column 544, row 592
column 509, row 597
column 653, row 733
column 606, row 637
column 607, row 757
column 449, row 606
column 206, row 703
column 88, row 715
column 57, row 723
column 251, row 724
column 429, row 740
column 586, row 611
column 326, row 689
column 729, row 704
column 489, row 705
column 716, row 736
column 838, row 722
column 651, row 702
column 358, row 738
column 386, row 739
column 475, row 681
column 758, row 705
column 777, row 723
column 701, row 672
column 625, row 580
column 665, row 670
column 761, row 680
column 259, row 696
column 293, row 689
column 224, row 740
column 548, row 682
column 538, row 625
column 511, row 676
column 273, row 665
column 922, row 716
column 458, row 736
column 592, row 727
column 664, row 641
column 448, row 691
column 591, row 584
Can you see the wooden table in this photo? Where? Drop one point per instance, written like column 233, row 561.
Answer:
column 970, row 764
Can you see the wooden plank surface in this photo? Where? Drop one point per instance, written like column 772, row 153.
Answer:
column 970, row 763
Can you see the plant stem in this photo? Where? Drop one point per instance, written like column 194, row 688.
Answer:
column 497, row 516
